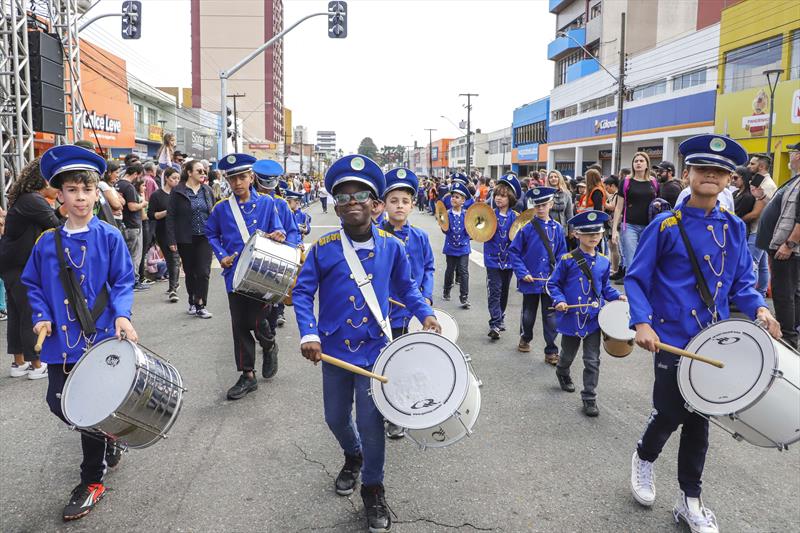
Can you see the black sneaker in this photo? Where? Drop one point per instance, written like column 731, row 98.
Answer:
column 446, row 296
column 494, row 333
column 242, row 387
column 619, row 274
column 82, row 500
column 465, row 303
column 173, row 296
column 590, row 408
column 348, row 475
column 394, row 432
column 566, row 383
column 270, row 366
column 113, row 455
column 501, row 327
column 378, row 518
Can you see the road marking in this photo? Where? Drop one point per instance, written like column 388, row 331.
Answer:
column 476, row 257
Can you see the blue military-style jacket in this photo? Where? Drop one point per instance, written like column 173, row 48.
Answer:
column 420, row 256
column 223, row 234
column 302, row 219
column 346, row 328
column 660, row 284
column 569, row 285
column 99, row 257
column 496, row 250
column 529, row 255
column 456, row 240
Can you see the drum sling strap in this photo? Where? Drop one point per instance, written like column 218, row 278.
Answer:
column 549, row 247
column 74, row 293
column 237, row 216
column 577, row 255
column 700, row 280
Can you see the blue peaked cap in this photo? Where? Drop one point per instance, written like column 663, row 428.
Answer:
column 401, row 178
column 512, row 181
column 68, row 157
column 713, row 151
column 233, row 164
column 590, row 221
column 460, row 188
column 539, row 195
column 358, row 168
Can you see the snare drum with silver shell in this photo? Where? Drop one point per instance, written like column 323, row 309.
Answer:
column 614, row 319
column 756, row 396
column 446, row 320
column 266, row 269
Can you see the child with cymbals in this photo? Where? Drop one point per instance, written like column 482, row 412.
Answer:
column 457, row 245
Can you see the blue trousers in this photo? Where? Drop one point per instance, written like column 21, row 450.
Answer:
column 498, row 283
column 668, row 413
column 364, row 437
column 530, row 303
column 761, row 263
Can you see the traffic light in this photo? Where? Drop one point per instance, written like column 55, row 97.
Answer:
column 229, row 122
column 337, row 20
column 131, row 19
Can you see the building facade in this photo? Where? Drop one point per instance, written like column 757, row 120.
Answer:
column 529, row 137
column 499, row 146
column 479, row 152
column 326, row 142
column 440, row 151
column 154, row 113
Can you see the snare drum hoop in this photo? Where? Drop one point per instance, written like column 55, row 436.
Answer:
column 442, row 317
column 419, row 435
column 243, row 264
column 760, row 386
column 609, row 318
column 447, row 407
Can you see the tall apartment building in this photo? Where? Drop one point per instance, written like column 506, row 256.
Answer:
column 671, row 56
column 223, row 33
column 326, row 142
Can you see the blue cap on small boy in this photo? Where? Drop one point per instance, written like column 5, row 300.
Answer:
column 539, row 195
column 292, row 195
column 267, row 172
column 713, row 151
column 460, row 188
column 401, row 178
column 356, row 168
column 233, row 164
column 459, row 177
column 589, row 221
column 512, row 181
column 66, row 157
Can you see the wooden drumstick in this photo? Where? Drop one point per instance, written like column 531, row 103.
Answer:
column 398, row 304
column 40, row 340
column 683, row 353
column 593, row 304
column 353, row 368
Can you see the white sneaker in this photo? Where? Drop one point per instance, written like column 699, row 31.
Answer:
column 38, row 373
column 192, row 310
column 202, row 312
column 19, row 371
column 643, row 480
column 695, row 514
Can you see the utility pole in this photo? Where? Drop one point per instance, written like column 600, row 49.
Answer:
column 620, row 99
column 469, row 128
column 236, row 120
column 301, row 151
column 430, row 150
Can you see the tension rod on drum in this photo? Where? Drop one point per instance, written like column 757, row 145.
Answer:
column 683, row 353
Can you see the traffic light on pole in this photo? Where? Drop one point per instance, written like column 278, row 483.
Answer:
column 337, row 20
column 229, row 122
column 131, row 19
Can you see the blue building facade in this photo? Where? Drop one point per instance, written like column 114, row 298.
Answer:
column 529, row 136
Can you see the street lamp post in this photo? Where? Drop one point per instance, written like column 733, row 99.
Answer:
column 503, row 166
column 773, row 75
column 430, row 150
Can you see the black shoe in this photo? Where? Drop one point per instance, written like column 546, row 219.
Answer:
column 590, row 408
column 348, row 475
column 619, row 274
column 465, row 303
column 566, row 383
column 446, row 296
column 242, row 387
column 82, row 500
column 501, row 327
column 375, row 507
column 173, row 297
column 270, row 366
column 394, row 432
column 281, row 320
column 494, row 333
column 113, row 455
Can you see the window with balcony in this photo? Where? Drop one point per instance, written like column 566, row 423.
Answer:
column 564, row 112
column 600, row 102
column 575, row 24
column 794, row 58
column 531, row 133
column 563, row 64
column 152, row 116
column 744, row 67
column 138, row 114
column 689, row 79
column 649, row 90
column 596, row 10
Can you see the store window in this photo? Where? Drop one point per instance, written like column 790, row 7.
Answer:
column 649, row 90
column 152, row 116
column 745, row 66
column 794, row 58
column 138, row 114
column 689, row 79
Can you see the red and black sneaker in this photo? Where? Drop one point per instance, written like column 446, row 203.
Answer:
column 82, row 500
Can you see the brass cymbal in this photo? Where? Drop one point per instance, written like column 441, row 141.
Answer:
column 441, row 216
column 524, row 218
column 480, row 222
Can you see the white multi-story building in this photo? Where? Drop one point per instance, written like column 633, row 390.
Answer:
column 326, row 142
column 479, row 152
column 498, row 160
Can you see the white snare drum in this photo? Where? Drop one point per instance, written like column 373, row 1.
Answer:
column 614, row 319
column 428, row 380
column 266, row 269
column 454, row 428
column 448, row 323
column 124, row 393
column 756, row 397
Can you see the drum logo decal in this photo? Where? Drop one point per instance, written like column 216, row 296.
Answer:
column 439, row 435
column 725, row 341
column 112, row 360
column 424, row 404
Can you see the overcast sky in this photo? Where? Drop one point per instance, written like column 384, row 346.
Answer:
column 401, row 67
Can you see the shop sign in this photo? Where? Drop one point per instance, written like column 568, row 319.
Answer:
column 653, row 152
column 258, row 146
column 101, row 123
column 155, row 133
column 203, row 142
column 745, row 114
column 604, row 124
column 528, row 153
column 435, row 153
column 796, row 107
column 604, row 155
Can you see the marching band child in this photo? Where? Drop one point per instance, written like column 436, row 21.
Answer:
column 348, row 328
column 80, row 285
column 456, row 245
column 228, row 228
column 496, row 256
column 669, row 303
column 533, row 253
column 301, row 218
column 581, row 278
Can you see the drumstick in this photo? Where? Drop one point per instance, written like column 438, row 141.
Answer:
column 353, row 368
column 395, row 302
column 40, row 340
column 683, row 353
column 593, row 304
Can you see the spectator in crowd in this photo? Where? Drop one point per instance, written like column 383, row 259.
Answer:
column 595, row 197
column 746, row 207
column 130, row 159
column 132, row 209
column 323, row 196
column 759, row 164
column 157, row 213
column 579, row 186
column 611, row 184
column 29, row 214
column 637, row 193
column 156, row 264
column 562, row 209
column 306, row 191
column 190, row 204
column 670, row 185
column 166, row 151
column 109, row 193
column 178, row 159
column 482, row 190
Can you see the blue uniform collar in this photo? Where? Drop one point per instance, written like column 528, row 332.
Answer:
column 696, row 212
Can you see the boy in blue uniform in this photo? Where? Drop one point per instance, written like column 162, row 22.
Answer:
column 228, row 228
column 496, row 257
column 301, row 218
column 534, row 251
column 667, row 305
column 456, row 245
column 581, row 278
column 84, row 261
column 458, row 177
column 352, row 322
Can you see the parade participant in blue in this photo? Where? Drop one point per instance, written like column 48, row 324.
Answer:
column 457, row 245
column 355, row 269
column 579, row 287
column 301, row 218
column 496, row 256
column 689, row 264
column 231, row 224
column 267, row 174
column 458, row 177
column 80, row 286
column 534, row 252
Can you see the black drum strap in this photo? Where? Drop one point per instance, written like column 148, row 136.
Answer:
column 584, row 266
column 700, row 280
column 547, row 245
column 74, row 293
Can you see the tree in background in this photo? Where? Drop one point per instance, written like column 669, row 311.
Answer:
column 368, row 148
column 391, row 155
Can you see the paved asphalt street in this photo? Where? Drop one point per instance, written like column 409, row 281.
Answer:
column 267, row 462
